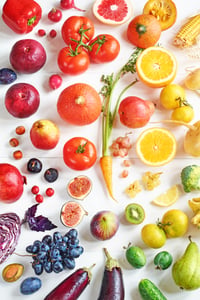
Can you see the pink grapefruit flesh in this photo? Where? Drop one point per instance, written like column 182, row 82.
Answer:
column 113, row 12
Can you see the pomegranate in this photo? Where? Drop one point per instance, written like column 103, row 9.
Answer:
column 11, row 183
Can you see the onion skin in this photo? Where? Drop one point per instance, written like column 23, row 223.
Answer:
column 11, row 183
column 10, row 229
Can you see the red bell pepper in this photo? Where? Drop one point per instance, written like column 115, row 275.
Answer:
column 21, row 15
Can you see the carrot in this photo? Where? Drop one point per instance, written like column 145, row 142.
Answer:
column 106, row 168
column 108, row 118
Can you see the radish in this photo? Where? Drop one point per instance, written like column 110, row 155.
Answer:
column 73, row 286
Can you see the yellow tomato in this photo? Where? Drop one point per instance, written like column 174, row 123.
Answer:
column 171, row 95
column 183, row 113
column 153, row 236
column 175, row 223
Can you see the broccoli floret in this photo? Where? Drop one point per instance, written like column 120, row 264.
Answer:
column 190, row 177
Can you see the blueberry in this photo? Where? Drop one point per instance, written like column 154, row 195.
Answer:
column 57, row 237
column 62, row 246
column 44, row 247
column 34, row 165
column 48, row 266
column 7, row 76
column 69, row 263
column 51, row 174
column 41, row 255
column 57, row 267
column 29, row 249
column 38, row 268
column 47, row 239
column 30, row 285
column 72, row 233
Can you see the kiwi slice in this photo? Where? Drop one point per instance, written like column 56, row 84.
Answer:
column 134, row 213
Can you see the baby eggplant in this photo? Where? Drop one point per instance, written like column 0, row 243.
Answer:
column 112, row 287
column 73, row 286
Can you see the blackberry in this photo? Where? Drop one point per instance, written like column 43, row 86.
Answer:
column 34, row 165
column 51, row 174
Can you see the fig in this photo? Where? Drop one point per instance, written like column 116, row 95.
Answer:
column 12, row 272
column 104, row 225
column 79, row 187
column 72, row 213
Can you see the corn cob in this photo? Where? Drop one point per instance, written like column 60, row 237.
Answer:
column 186, row 37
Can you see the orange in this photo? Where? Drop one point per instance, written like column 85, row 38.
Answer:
column 144, row 31
column 156, row 67
column 168, row 198
column 164, row 10
column 156, row 146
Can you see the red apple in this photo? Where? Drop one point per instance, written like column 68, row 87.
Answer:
column 44, row 134
column 135, row 112
column 27, row 56
column 22, row 100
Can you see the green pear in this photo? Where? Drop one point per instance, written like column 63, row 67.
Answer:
column 186, row 270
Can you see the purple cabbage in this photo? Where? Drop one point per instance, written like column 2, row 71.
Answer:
column 10, row 229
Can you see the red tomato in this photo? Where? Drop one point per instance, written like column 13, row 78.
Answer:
column 73, row 27
column 73, row 63
column 79, row 153
column 104, row 48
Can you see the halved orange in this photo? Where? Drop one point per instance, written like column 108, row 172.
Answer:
column 167, row 198
column 156, row 146
column 164, row 10
column 156, row 67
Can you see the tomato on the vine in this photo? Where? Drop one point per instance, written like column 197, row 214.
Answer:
column 73, row 62
column 103, row 48
column 75, row 27
column 79, row 153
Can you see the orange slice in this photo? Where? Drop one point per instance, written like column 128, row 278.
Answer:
column 156, row 67
column 164, row 10
column 112, row 12
column 156, row 146
column 168, row 198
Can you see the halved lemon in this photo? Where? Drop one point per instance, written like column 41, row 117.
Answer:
column 156, row 146
column 167, row 198
column 156, row 67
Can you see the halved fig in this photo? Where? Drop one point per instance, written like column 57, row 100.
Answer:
column 79, row 187
column 72, row 213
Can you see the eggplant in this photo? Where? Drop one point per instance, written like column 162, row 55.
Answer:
column 112, row 286
column 71, row 287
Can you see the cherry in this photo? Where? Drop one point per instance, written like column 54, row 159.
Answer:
column 55, row 15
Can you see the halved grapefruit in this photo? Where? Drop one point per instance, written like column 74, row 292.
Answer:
column 113, row 12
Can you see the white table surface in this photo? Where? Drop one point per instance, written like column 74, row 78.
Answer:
column 98, row 198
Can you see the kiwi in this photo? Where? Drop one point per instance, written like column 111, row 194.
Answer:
column 134, row 213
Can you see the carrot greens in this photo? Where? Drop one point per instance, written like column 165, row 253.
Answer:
column 107, row 91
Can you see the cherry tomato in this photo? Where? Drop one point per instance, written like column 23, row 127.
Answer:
column 72, row 62
column 74, row 26
column 79, row 153
column 183, row 113
column 55, row 15
column 104, row 48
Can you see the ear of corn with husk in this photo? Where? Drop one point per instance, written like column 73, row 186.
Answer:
column 188, row 33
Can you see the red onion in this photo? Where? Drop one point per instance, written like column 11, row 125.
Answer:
column 10, row 229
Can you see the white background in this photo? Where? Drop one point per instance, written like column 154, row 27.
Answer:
column 98, row 198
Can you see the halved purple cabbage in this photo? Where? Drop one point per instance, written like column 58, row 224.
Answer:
column 10, row 229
